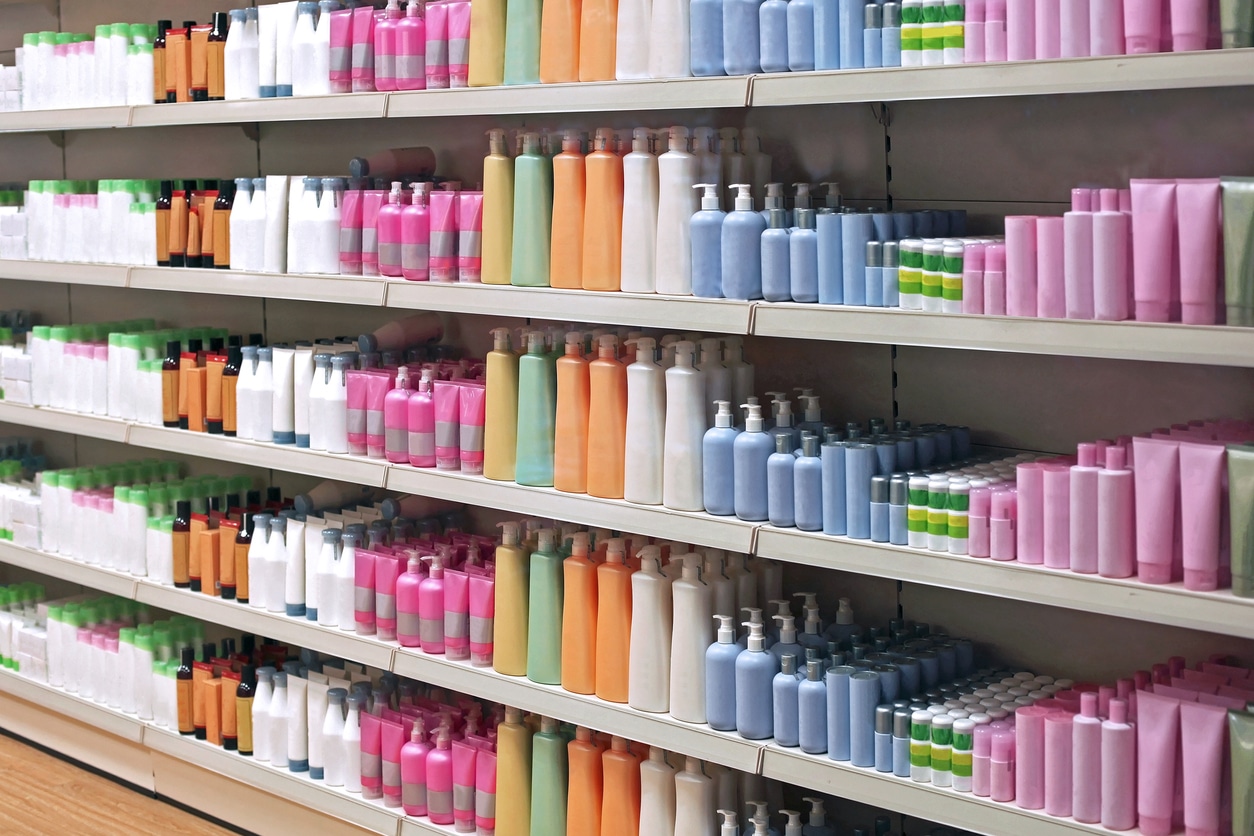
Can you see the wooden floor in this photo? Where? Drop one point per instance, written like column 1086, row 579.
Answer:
column 43, row 795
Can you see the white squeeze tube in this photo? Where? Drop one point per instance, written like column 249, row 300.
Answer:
column 294, row 574
column 677, row 203
column 640, row 208
column 302, row 379
column 284, row 359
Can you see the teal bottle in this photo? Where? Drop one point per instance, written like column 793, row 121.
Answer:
column 537, row 413
column 548, row 779
column 544, row 623
column 533, row 214
column 522, row 41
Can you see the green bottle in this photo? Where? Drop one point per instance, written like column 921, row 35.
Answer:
column 522, row 41
column 537, row 411
column 533, row 215
column 548, row 779
column 544, row 624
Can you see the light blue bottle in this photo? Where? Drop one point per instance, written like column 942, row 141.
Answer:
column 855, row 230
column 537, row 408
column 890, row 36
column 860, row 464
column 705, row 37
column 784, row 694
column 776, row 254
column 872, row 39
column 779, row 483
column 817, row 823
column 827, row 34
column 755, row 672
column 851, row 16
column 864, row 696
column 720, row 676
column 742, row 245
column 898, row 520
column 831, row 265
column 706, row 235
column 888, row 274
column 874, row 277
column 718, row 463
column 801, row 35
column 741, row 37
column 807, row 491
column 833, row 465
column 750, row 452
column 812, row 710
column 880, row 522
column 773, row 25
column 838, row 711
column 883, row 223
column 803, row 258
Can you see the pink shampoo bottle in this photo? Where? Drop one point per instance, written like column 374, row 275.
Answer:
column 385, row 29
column 411, row 49
column 422, row 424
column 431, row 606
column 416, row 236
column 414, row 771
column 408, row 620
column 389, row 227
column 440, row 779
column 396, row 419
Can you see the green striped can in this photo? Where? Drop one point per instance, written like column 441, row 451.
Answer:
column 938, row 514
column 942, row 750
column 921, row 746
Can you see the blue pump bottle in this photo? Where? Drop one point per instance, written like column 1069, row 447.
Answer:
column 742, row 247
column 803, row 257
column 750, row 452
column 706, row 236
column 784, row 694
column 720, row 676
column 779, row 483
column 718, row 463
column 787, row 643
column 706, row 38
column 807, row 476
column 801, row 35
column 773, row 25
column 755, row 672
column 812, row 710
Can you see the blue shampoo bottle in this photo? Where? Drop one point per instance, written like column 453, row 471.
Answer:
column 890, row 35
column 741, row 37
column 718, row 463
column 755, row 672
column 812, row 710
column 776, row 254
column 803, row 257
column 856, row 230
column 872, row 40
column 779, row 483
column 705, row 38
column 720, row 676
column 864, row 696
column 827, row 34
column 851, row 17
column 801, row 35
column 784, row 694
column 807, row 474
column 773, row 26
column 750, row 453
column 706, row 235
column 832, row 461
column 838, row 711
column 742, row 246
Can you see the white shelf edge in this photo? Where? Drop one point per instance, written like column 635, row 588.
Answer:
column 296, row 787
column 1216, row 612
column 77, row 708
column 422, row 827
column 286, row 109
column 1214, row 345
column 344, row 290
column 677, row 312
column 68, row 569
column 64, row 272
column 1116, row 73
column 93, row 426
column 661, row 730
column 720, row 532
column 938, row 804
column 67, row 119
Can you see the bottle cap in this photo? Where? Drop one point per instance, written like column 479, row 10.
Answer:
column 777, row 219
column 806, row 218
column 744, row 196
column 788, row 664
column 709, row 196
column 872, row 16
column 783, row 443
column 726, row 629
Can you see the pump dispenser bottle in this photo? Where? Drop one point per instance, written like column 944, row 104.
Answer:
column 741, row 247
column 388, row 226
column 677, row 203
column 640, row 216
column 579, row 618
column 566, row 257
column 585, row 790
column 706, row 232
column 522, row 41
column 537, row 405
column 647, row 419
column 695, row 795
column 620, row 807
column 690, row 637
column 720, row 676
column 682, row 472
column 776, row 278
column 728, row 824
column 650, row 647
column 559, row 42
column 613, row 635
column 544, row 631
column 498, row 210
column 509, row 651
column 548, row 779
column 784, row 694
column 779, row 484
column 750, row 453
column 603, row 215
column 598, row 25
column 718, row 463
column 607, row 420
column 500, row 440
column 784, row 423
column 533, row 212
column 787, row 644
column 755, row 671
column 570, row 444
column 513, row 775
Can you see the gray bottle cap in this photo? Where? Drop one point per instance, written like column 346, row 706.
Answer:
column 261, row 524
column 249, row 352
column 805, row 219
column 783, row 443
column 892, row 16
column 871, row 16
column 238, row 14
column 243, row 184
column 874, row 249
column 898, row 489
column 328, row 6
column 884, row 718
column 778, row 219
column 307, row 7
column 278, row 525
column 351, row 539
column 342, row 361
column 356, row 700
column 330, row 536
column 265, row 354
column 814, row 669
column 251, row 12
column 312, row 184
column 892, row 254
column 833, row 436
column 788, row 664
column 280, row 679
column 292, row 668
column 321, row 361
column 810, row 445
column 259, row 184
column 265, row 674
column 336, row 696
column 879, row 489
column 337, row 184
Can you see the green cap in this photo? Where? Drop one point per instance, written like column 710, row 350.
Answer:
column 62, row 38
column 120, row 30
column 127, row 634
column 47, row 37
column 102, row 30
column 30, row 39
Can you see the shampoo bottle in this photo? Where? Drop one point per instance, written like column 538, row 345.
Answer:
column 559, row 41
column 522, row 41
column 646, row 422
column 509, row 637
column 544, row 631
column 705, row 42
column 620, row 806
column 603, row 215
column 755, row 671
column 808, row 486
column 657, row 794
column 640, row 215
column 694, row 800
column 414, row 771
column 779, row 483
column 513, row 775
column 718, row 463
column 677, row 203
column 741, row 37
column 669, row 39
column 706, row 236
column 803, row 258
column 421, row 423
column 613, row 635
column 691, row 635
column 570, row 444
column 537, row 405
column 585, row 790
column 389, row 233
column 500, row 441
column 686, row 391
column 650, row 649
column 533, row 212
column 631, row 52
column 566, row 258
column 416, row 235
column 741, row 246
column 396, row 419
column 498, row 204
column 579, row 618
column 598, row 25
column 784, row 694
column 773, row 25
column 812, row 710
column 750, row 452
column 607, row 420
column 548, row 779
column 431, row 607
column 787, row 644
column 720, row 676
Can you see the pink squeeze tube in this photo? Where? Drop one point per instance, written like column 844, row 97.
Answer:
column 1180, row 683
column 995, row 279
column 1142, row 30
column 1157, row 748
column 485, row 791
column 981, row 504
column 386, row 569
column 472, row 419
column 437, row 45
column 1201, row 501
column 1153, row 247
column 1021, row 262
column 378, row 384
column 459, row 43
column 1157, row 477
column 995, row 31
column 447, row 426
column 363, row 592
column 482, row 615
column 973, row 31
column 443, row 245
column 1197, row 219
column 1058, row 763
column 1189, row 24
column 1020, row 31
column 1030, row 539
column 1057, row 515
column 1083, row 518
column 351, row 228
column 465, row 755
column 1001, row 525
column 1048, row 29
column 1030, row 757
column 371, row 756
column 973, row 268
column 1050, row 281
column 393, row 738
column 356, row 394
column 342, row 51
column 371, row 202
column 456, row 615
column 469, row 235
column 363, row 49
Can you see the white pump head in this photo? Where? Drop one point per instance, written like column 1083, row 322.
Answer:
column 574, row 343
column 753, row 420
column 685, row 353
column 500, row 339
column 803, row 200
column 757, row 641
column 531, row 143
column 535, row 342
column 814, row 624
column 811, row 599
column 787, row 629
column 844, row 615
column 833, row 195
column 579, row 543
column 723, row 415
column 793, row 828
column 774, row 195
column 729, row 825
column 607, row 345
column 692, row 565
column 709, row 196
column 546, row 539
column 818, row 816
column 783, row 412
column 744, row 196
column 813, row 413
column 761, row 816
column 726, row 629
column 394, row 196
column 509, row 532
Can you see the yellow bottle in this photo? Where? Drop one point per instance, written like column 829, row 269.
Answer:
column 579, row 618
column 509, row 653
column 500, row 438
column 570, row 439
column 498, row 208
column 607, row 420
column 566, row 258
column 613, row 635
column 583, row 797
column 513, row 775
column 559, row 41
column 603, row 215
column 620, row 804
column 487, row 43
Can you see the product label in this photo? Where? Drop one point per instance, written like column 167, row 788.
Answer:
column 370, row 240
column 363, row 55
column 942, row 757
column 411, row 67
column 415, row 256
column 471, row 438
column 414, row 794
column 458, row 53
column 350, row 241
column 485, row 805
column 384, row 606
column 958, row 525
column 443, row 244
column 391, row 775
column 384, row 65
column 431, row 630
column 920, row 753
column 389, row 253
column 962, row 764
column 937, row 522
column 481, row 631
column 469, row 243
column 356, row 422
column 456, row 624
column 439, row 803
column 437, row 55
column 396, row 440
column 463, row 798
column 448, row 434
column 421, row 444
column 408, row 624
column 363, row 600
column 371, row 767
column 931, row 283
column 374, row 423
column 951, row 287
column 341, row 59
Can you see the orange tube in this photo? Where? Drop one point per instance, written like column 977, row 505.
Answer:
column 584, row 790
column 603, row 216
column 566, row 258
column 613, row 636
column 620, row 804
column 579, row 619
column 607, row 421
column 598, row 37
column 570, row 441
column 559, row 41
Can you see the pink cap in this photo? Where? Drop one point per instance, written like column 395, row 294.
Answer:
column 1086, row 454
column 1081, row 200
column 1125, row 200
column 995, row 11
column 995, row 254
column 1161, row 674
column 1119, row 711
column 1104, row 696
column 973, row 251
column 1088, row 705
column 1142, row 680
column 1116, row 458
column 975, row 11
column 1108, row 200
column 1003, row 503
column 983, row 745
column 1176, row 665
column 1124, row 687
column 981, row 502
column 1003, row 746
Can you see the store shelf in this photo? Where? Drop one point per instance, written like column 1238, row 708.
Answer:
column 92, row 426
column 98, row 275
column 97, row 716
column 69, row 119
column 357, row 469
column 286, row 109
column 68, row 569
column 293, row 786
column 1162, row 71
column 938, row 804
column 1168, row 343
column 1216, row 612
column 681, row 313
column 339, row 289
column 703, row 529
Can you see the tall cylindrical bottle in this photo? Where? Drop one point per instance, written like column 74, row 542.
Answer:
column 559, row 41
column 607, row 420
column 685, row 429
column 500, row 441
column 533, row 212
column 537, row 405
column 579, row 619
column 498, row 207
column 585, row 787
column 640, row 214
column 620, row 806
column 522, row 41
column 651, row 612
column 570, row 444
column 613, row 636
column 694, row 799
column 566, row 256
column 544, row 632
column 548, row 779
column 598, row 35
column 645, row 431
column 509, row 650
column 603, row 215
